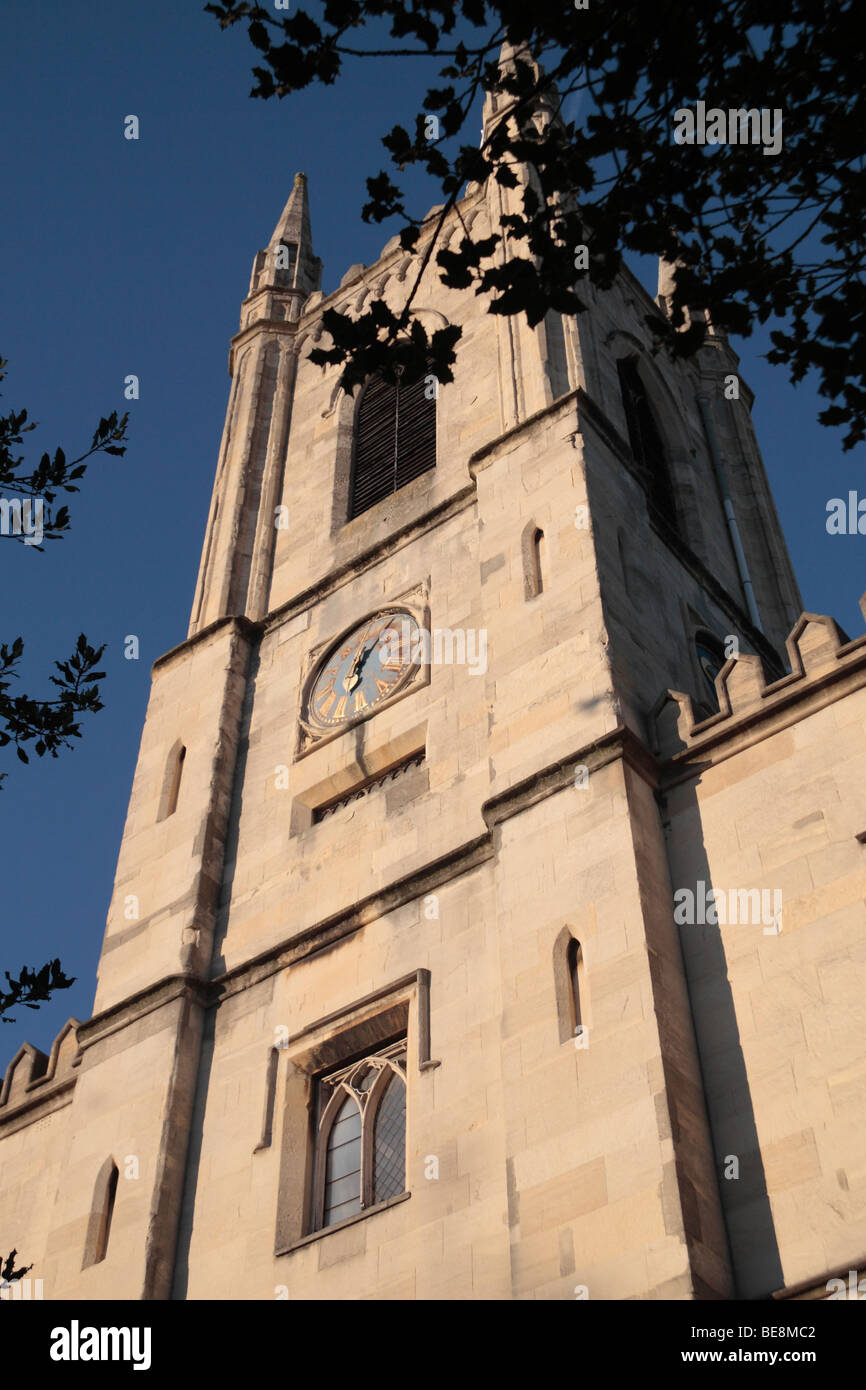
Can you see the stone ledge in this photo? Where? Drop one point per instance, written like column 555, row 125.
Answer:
column 341, row 1225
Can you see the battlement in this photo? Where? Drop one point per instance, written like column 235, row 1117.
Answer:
column 31, row 1074
column 824, row 666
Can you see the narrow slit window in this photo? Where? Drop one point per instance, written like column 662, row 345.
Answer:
column 533, row 560
column 574, row 963
column 270, row 1097
column 286, row 260
column 569, row 981
column 102, row 1210
column 172, row 781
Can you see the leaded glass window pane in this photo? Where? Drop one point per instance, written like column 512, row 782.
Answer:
column 389, row 1142
column 343, row 1166
column 361, row 1153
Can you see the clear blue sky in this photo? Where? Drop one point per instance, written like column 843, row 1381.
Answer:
column 133, row 257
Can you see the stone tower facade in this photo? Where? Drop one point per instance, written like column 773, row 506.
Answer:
column 494, row 879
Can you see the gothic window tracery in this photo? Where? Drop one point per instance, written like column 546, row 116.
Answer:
column 361, row 1136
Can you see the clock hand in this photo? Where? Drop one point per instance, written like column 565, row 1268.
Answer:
column 365, row 656
column 351, row 680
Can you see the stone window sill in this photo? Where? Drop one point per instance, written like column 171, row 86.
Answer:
column 341, row 1225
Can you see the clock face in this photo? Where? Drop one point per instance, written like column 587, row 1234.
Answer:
column 365, row 668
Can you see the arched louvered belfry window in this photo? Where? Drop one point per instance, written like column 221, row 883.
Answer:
column 646, row 441
column 361, row 1143
column 395, row 438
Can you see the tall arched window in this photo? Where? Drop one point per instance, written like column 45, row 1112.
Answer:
column 361, row 1138
column 286, row 260
column 646, row 441
column 395, row 439
column 342, row 1196
column 389, row 1141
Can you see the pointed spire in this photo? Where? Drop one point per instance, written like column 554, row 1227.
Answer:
column 288, row 263
column 497, row 104
column 294, row 225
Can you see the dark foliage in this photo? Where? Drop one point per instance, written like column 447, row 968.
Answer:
column 757, row 237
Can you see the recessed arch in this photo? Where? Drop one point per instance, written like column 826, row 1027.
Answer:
column 532, row 546
column 394, row 439
column 101, row 1213
column 270, row 1099
column 171, row 781
column 648, row 438
column 569, row 978
column 360, row 1137
column 386, row 1135
column 341, row 1180
column 709, row 654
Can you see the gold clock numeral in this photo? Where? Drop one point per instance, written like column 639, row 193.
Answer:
column 326, row 704
column 361, row 701
column 382, row 686
column 341, row 707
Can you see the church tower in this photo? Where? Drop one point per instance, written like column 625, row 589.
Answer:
column 411, row 986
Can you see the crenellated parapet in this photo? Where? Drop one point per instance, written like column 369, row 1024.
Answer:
column 31, row 1074
column 825, row 666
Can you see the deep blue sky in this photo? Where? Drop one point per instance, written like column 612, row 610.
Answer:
column 122, row 257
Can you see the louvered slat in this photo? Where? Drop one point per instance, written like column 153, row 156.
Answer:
column 416, row 431
column 375, row 447
column 396, row 441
